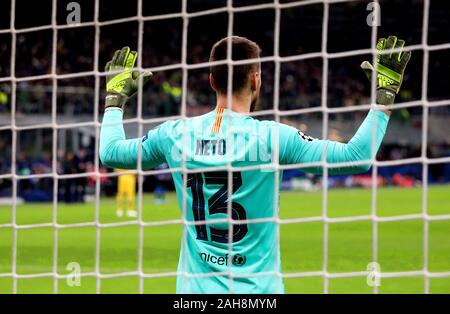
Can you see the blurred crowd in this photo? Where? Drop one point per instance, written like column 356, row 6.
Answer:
column 300, row 86
column 300, row 81
column 41, row 189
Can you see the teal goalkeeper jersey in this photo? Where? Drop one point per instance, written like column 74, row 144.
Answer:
column 230, row 239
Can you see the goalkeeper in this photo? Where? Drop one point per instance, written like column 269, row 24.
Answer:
column 236, row 255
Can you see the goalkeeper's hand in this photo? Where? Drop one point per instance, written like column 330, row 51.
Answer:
column 121, row 81
column 390, row 68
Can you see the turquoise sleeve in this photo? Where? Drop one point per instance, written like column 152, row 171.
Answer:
column 295, row 147
column 118, row 152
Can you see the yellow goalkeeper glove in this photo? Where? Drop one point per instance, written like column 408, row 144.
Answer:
column 125, row 82
column 390, row 69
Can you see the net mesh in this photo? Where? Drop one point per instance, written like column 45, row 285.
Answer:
column 278, row 60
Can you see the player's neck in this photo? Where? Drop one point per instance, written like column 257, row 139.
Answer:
column 239, row 103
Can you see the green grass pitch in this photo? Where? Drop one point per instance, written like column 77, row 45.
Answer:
column 400, row 244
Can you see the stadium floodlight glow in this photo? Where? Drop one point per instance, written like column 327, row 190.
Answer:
column 274, row 165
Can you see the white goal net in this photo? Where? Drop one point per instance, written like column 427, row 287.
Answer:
column 51, row 131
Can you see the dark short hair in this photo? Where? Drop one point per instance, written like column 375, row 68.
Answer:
column 242, row 49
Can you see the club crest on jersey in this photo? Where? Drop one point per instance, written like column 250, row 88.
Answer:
column 305, row 137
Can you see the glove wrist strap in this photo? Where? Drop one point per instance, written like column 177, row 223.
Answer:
column 115, row 100
column 385, row 97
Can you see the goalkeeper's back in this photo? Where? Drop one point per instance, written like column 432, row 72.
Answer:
column 249, row 249
column 241, row 254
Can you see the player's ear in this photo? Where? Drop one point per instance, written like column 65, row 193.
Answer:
column 212, row 82
column 255, row 80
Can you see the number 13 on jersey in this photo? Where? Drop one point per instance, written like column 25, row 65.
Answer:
column 217, row 204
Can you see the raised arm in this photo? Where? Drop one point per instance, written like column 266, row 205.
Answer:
column 295, row 147
column 116, row 151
